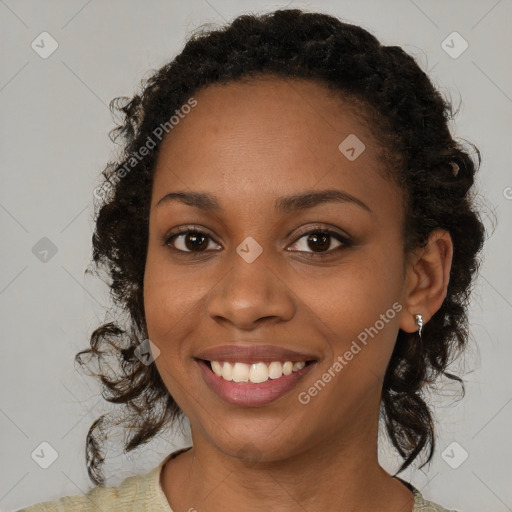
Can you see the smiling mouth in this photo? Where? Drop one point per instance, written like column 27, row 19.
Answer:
column 254, row 373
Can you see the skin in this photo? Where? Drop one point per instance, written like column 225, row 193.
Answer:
column 248, row 144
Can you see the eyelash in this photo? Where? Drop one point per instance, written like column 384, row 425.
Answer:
column 345, row 241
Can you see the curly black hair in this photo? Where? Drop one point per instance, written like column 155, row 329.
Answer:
column 409, row 118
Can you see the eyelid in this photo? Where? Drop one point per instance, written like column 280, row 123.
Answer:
column 322, row 228
column 187, row 228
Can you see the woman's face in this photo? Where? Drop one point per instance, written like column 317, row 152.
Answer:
column 255, row 278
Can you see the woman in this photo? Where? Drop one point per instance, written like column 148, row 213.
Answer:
column 291, row 231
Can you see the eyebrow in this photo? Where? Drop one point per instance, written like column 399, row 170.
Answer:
column 287, row 204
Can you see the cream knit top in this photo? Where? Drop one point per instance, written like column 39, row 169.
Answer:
column 143, row 493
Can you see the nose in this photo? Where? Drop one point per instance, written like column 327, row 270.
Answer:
column 250, row 293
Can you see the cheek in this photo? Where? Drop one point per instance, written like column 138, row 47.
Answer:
column 360, row 304
column 167, row 298
column 170, row 304
column 174, row 300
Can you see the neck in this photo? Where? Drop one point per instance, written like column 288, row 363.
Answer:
column 326, row 476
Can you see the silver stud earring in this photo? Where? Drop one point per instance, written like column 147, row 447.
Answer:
column 419, row 323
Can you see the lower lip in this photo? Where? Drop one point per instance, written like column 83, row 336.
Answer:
column 249, row 394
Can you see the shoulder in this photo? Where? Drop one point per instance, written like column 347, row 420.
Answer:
column 102, row 498
column 423, row 505
column 136, row 493
column 106, row 499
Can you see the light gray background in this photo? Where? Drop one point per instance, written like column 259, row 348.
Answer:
column 54, row 144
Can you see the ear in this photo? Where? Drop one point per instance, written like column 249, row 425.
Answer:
column 427, row 277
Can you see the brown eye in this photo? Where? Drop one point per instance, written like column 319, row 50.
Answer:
column 195, row 241
column 318, row 242
column 189, row 241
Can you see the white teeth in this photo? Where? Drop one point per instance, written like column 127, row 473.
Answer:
column 275, row 370
column 287, row 367
column 217, row 368
column 257, row 372
column 227, row 371
column 241, row 372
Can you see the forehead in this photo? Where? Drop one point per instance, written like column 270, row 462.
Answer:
column 270, row 137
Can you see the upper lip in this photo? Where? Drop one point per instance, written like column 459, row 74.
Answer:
column 252, row 354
